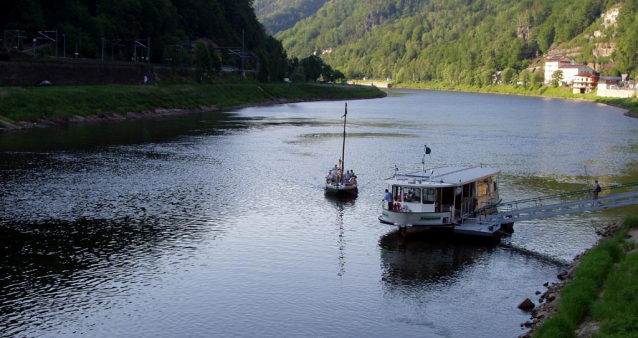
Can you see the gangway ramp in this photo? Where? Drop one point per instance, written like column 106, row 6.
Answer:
column 549, row 206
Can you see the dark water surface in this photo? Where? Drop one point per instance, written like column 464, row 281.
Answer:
column 216, row 225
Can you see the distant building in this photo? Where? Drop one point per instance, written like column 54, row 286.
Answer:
column 206, row 41
column 570, row 71
column 584, row 83
column 553, row 63
column 608, row 82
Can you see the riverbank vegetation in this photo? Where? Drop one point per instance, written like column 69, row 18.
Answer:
column 59, row 103
column 604, row 290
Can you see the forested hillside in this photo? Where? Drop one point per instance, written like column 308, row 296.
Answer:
column 461, row 41
column 88, row 25
column 279, row 15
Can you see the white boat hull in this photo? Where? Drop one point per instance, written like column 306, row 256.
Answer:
column 339, row 188
column 417, row 219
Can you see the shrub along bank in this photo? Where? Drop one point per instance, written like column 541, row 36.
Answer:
column 25, row 104
column 610, row 267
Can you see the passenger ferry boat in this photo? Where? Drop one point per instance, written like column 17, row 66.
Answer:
column 444, row 197
column 340, row 183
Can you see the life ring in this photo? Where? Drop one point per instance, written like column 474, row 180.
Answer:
column 397, row 207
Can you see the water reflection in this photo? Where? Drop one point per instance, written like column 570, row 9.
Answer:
column 83, row 263
column 426, row 261
column 341, row 203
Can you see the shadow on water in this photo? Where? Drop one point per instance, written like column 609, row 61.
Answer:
column 88, row 137
column 421, row 261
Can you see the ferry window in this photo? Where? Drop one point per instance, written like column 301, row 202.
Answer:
column 468, row 190
column 396, row 193
column 412, row 195
column 429, row 196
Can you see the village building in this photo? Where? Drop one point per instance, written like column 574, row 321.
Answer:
column 553, row 63
column 570, row 71
column 608, row 82
column 584, row 83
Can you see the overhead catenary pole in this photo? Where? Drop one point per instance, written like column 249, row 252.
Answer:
column 148, row 50
column 243, row 70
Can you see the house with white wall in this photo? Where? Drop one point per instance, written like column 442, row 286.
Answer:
column 584, row 83
column 553, row 63
column 570, row 71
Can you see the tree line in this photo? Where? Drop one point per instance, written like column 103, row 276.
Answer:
column 93, row 28
column 460, row 41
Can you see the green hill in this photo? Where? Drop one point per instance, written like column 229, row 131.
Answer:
column 462, row 41
column 280, row 15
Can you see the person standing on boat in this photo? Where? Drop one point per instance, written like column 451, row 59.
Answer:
column 329, row 177
column 388, row 198
column 348, row 175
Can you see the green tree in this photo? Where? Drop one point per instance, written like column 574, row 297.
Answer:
column 298, row 75
column 536, row 79
column 524, row 78
column 313, row 66
column 557, row 78
column 203, row 60
column 215, row 59
column 507, row 75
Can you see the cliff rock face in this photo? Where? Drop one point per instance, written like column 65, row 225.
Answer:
column 611, row 17
column 604, row 49
column 524, row 32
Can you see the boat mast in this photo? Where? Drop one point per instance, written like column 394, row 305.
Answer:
column 343, row 148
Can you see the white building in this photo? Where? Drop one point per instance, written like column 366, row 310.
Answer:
column 584, row 83
column 570, row 71
column 553, row 63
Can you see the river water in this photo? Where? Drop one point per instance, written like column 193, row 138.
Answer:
column 216, row 225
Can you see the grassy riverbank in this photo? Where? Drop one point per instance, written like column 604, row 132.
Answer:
column 19, row 104
column 603, row 292
column 559, row 92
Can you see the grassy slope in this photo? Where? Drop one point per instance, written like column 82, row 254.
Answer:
column 28, row 104
column 610, row 267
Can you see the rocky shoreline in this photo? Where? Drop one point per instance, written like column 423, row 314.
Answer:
column 548, row 299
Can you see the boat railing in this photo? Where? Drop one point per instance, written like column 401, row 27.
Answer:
column 565, row 197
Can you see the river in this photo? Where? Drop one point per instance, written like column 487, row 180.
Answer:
column 216, row 225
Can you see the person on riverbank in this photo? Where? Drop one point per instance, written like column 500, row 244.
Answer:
column 596, row 190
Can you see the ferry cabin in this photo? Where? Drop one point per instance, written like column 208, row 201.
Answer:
column 440, row 197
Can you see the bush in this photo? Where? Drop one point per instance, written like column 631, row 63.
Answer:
column 555, row 327
column 631, row 221
column 576, row 299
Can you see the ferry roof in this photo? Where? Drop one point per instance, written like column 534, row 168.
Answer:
column 448, row 176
